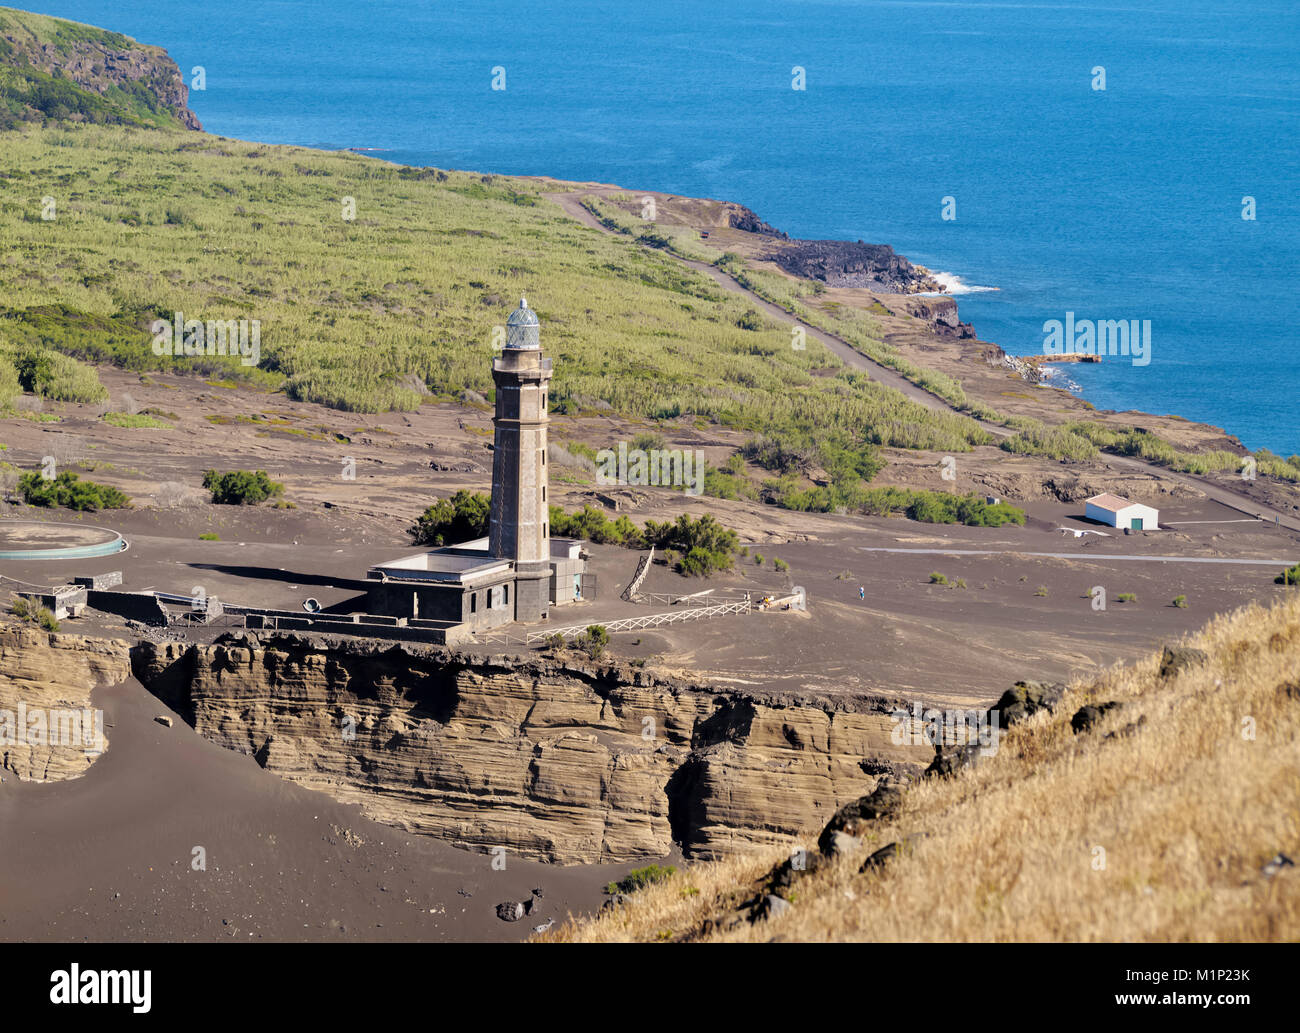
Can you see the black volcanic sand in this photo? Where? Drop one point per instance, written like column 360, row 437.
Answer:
column 909, row 638
column 107, row 857
column 906, row 637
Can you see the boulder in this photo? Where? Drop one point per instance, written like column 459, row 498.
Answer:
column 948, row 760
column 513, row 910
column 1177, row 659
column 722, row 924
column 1026, row 698
column 1085, row 717
column 841, row 844
column 880, row 857
column 856, row 817
column 783, row 877
column 769, row 907
column 510, row 911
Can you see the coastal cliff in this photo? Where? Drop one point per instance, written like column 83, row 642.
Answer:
column 555, row 760
column 55, row 70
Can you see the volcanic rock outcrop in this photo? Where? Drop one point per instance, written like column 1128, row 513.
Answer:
column 846, row 263
column 551, row 759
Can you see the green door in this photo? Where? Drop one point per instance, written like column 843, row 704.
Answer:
column 1136, row 523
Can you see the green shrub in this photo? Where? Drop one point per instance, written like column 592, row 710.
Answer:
column 639, row 878
column 940, row 507
column 1289, row 576
column 722, row 484
column 27, row 610
column 135, row 420
column 592, row 641
column 1180, row 601
column 697, row 562
column 933, row 508
column 648, row 441
column 241, row 487
column 706, row 546
column 70, row 492
column 693, row 547
column 209, row 536
column 10, row 388
column 461, row 518
column 56, row 376
column 590, row 524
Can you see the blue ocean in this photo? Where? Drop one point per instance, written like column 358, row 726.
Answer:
column 1120, row 203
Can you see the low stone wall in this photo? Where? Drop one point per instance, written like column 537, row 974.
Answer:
column 131, row 606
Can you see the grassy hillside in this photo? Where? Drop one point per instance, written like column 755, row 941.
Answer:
column 54, row 71
column 1161, row 831
column 379, row 311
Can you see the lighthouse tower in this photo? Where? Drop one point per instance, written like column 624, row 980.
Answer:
column 519, row 525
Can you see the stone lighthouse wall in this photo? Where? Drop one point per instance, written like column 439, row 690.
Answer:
column 519, row 523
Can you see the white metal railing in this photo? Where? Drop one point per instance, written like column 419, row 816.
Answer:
column 650, row 620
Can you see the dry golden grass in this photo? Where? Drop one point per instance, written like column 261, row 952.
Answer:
column 1186, row 809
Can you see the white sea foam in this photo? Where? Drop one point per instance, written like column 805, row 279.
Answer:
column 952, row 284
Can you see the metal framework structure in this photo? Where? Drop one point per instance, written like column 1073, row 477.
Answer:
column 643, row 568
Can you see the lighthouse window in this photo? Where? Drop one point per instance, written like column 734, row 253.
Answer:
column 543, row 492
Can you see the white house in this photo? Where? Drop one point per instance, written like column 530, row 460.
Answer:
column 1121, row 513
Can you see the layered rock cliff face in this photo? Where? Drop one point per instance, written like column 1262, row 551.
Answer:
column 941, row 314
column 554, row 760
column 45, row 683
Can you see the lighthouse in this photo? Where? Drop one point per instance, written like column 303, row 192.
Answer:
column 519, row 525
column 517, row 571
